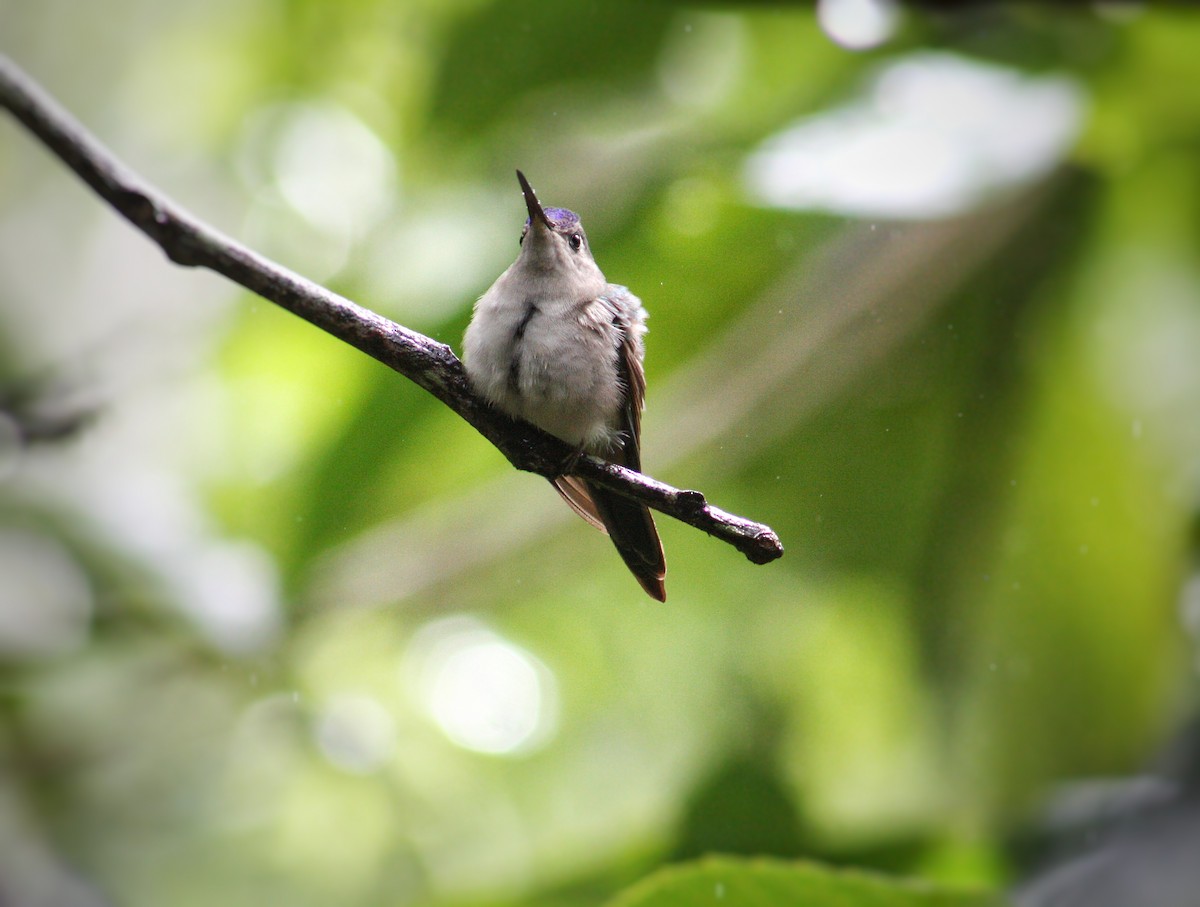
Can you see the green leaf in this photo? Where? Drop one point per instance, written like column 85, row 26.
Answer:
column 731, row 882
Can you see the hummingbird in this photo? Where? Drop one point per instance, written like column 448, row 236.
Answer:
column 554, row 343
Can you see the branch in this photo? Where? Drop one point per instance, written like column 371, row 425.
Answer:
column 189, row 242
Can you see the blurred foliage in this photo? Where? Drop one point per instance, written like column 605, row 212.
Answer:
column 764, row 883
column 275, row 627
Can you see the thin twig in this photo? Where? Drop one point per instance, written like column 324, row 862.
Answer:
column 188, row 241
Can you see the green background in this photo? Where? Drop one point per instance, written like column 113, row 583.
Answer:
column 237, row 558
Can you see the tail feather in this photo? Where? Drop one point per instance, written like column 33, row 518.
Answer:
column 629, row 525
column 576, row 493
column 632, row 530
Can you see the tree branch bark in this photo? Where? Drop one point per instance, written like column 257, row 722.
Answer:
column 433, row 366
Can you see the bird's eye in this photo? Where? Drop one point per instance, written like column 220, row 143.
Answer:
column 576, row 241
column 524, row 230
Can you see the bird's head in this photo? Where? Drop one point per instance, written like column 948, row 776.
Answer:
column 553, row 240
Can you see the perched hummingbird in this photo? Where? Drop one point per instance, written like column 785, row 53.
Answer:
column 554, row 343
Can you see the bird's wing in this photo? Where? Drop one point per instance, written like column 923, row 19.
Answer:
column 628, row 318
column 633, row 377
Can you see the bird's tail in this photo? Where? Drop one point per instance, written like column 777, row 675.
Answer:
column 629, row 525
column 632, row 530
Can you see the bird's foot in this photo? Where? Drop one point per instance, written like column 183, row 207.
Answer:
column 572, row 461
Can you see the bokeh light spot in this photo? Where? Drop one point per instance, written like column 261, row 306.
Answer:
column 858, row 24
column 934, row 135
column 332, row 169
column 485, row 693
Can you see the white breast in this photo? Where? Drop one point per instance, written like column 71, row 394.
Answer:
column 548, row 359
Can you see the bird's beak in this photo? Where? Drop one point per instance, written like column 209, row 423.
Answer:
column 536, row 214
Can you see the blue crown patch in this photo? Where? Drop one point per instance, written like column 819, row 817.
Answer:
column 561, row 217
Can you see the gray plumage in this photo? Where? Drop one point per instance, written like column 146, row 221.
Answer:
column 554, row 343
